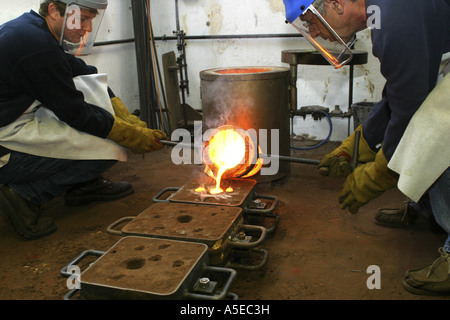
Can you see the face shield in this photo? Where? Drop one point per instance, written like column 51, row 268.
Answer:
column 310, row 23
column 81, row 24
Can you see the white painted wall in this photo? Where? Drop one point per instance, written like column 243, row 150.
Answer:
column 316, row 85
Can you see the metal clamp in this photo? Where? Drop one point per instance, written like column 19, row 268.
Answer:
column 264, row 211
column 222, row 294
column 243, row 245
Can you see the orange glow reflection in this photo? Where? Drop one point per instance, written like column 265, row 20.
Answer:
column 243, row 70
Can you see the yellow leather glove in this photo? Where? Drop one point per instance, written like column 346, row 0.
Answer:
column 338, row 163
column 137, row 139
column 122, row 112
column 367, row 182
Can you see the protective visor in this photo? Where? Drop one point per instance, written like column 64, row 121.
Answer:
column 81, row 25
column 321, row 35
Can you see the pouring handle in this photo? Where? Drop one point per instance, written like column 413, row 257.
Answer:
column 110, row 228
column 160, row 193
column 64, row 271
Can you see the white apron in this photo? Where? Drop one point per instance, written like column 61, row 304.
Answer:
column 423, row 153
column 39, row 131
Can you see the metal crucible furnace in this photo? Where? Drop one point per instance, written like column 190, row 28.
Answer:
column 250, row 98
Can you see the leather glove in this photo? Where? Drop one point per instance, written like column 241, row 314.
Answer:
column 337, row 164
column 137, row 139
column 367, row 182
column 122, row 112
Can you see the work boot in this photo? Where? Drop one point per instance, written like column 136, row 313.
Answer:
column 406, row 217
column 99, row 189
column 433, row 279
column 24, row 215
column 402, row 217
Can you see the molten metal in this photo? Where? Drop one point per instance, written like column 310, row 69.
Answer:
column 243, row 70
column 230, row 152
column 226, row 150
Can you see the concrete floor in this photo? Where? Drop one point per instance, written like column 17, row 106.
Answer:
column 317, row 251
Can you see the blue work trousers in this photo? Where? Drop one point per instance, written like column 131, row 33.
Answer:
column 437, row 202
column 40, row 179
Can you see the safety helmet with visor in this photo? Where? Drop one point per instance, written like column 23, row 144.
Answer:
column 82, row 21
column 306, row 18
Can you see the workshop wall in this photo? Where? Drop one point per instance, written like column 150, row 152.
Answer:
column 316, row 85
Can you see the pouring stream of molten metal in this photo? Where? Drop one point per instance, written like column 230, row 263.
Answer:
column 229, row 152
column 226, row 150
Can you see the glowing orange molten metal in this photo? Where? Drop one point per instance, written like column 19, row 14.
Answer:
column 243, row 70
column 226, row 150
column 230, row 153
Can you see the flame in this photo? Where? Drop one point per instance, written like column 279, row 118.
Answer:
column 229, row 153
column 226, row 149
column 200, row 189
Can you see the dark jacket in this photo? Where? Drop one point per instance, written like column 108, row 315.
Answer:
column 413, row 36
column 33, row 66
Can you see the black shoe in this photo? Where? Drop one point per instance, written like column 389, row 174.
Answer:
column 24, row 215
column 99, row 189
